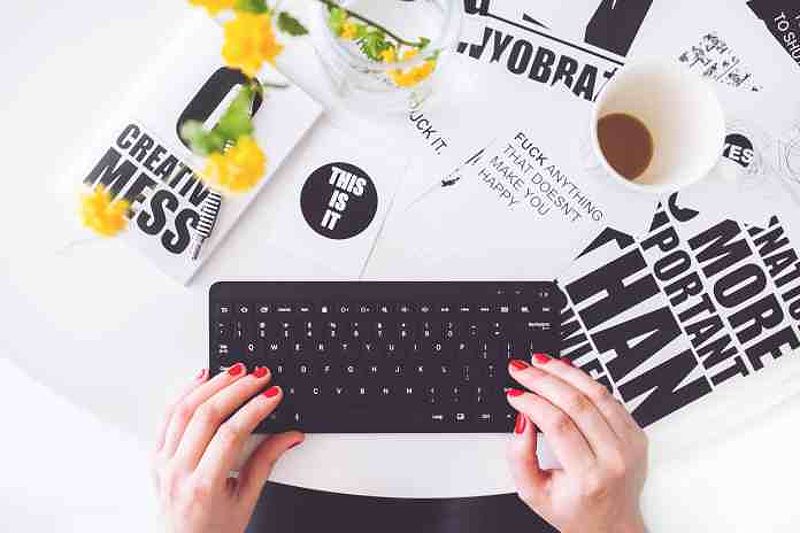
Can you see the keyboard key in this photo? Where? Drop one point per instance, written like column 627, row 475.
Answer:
column 347, row 349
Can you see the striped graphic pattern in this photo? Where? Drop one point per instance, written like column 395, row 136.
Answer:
column 208, row 218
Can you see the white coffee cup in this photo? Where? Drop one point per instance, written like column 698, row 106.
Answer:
column 682, row 113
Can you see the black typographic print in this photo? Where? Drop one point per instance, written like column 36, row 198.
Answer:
column 164, row 194
column 782, row 18
column 739, row 149
column 613, row 26
column 339, row 200
column 616, row 23
column 476, row 7
column 692, row 305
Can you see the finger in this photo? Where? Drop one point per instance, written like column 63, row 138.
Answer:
column 258, row 468
column 569, row 445
column 185, row 409
column 530, row 480
column 211, row 414
column 229, row 439
column 161, row 435
column 614, row 412
column 579, row 408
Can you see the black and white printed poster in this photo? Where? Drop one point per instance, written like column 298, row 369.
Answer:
column 332, row 199
column 140, row 156
column 698, row 303
column 578, row 46
column 782, row 18
column 670, row 304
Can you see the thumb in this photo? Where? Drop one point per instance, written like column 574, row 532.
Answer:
column 256, row 470
column 531, row 481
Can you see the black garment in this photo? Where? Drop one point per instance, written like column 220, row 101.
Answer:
column 285, row 509
column 614, row 29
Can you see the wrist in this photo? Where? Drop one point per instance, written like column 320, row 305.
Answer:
column 634, row 525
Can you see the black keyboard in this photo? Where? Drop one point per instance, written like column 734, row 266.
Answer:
column 384, row 357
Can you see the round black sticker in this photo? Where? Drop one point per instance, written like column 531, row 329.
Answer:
column 739, row 149
column 339, row 200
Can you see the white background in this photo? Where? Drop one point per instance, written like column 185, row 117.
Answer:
column 77, row 401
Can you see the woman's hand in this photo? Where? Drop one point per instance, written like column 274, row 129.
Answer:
column 199, row 442
column 602, row 450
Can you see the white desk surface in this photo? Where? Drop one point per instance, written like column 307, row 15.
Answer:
column 63, row 64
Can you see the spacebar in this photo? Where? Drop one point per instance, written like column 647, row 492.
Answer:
column 360, row 420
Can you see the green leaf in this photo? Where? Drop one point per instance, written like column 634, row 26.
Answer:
column 423, row 42
column 290, row 25
column 200, row 141
column 252, row 6
column 374, row 43
column 434, row 56
column 336, row 19
column 361, row 31
column 236, row 121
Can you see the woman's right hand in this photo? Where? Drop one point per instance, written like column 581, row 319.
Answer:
column 203, row 435
column 602, row 450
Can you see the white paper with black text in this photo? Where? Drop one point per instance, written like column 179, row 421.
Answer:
column 140, row 156
column 331, row 200
column 706, row 301
column 702, row 303
column 528, row 192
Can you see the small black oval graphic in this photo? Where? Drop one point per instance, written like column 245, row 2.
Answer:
column 211, row 95
column 339, row 200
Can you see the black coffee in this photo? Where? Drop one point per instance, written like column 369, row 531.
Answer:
column 626, row 143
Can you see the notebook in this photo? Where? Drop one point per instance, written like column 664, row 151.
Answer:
column 139, row 154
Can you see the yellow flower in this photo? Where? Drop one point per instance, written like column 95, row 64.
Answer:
column 349, row 31
column 102, row 215
column 250, row 41
column 214, row 6
column 238, row 169
column 389, row 55
column 411, row 76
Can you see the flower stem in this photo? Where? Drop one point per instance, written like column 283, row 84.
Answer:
column 400, row 40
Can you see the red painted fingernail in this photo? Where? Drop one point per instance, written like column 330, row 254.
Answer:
column 201, row 375
column 518, row 365
column 259, row 372
column 272, row 391
column 236, row 369
column 514, row 392
column 541, row 358
column 568, row 361
column 519, row 425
